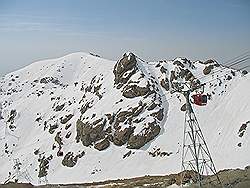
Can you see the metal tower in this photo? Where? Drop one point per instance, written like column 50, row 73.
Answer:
column 195, row 153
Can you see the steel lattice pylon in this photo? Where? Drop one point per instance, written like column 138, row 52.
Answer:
column 195, row 152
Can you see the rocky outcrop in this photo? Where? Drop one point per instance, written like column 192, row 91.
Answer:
column 52, row 128
column 152, row 106
column 178, row 63
column 183, row 107
column 135, row 83
column 243, row 128
column 11, row 118
column 44, row 166
column 58, row 139
column 89, row 133
column 207, row 70
column 146, row 135
column 1, row 116
column 165, row 84
column 98, row 134
column 158, row 153
column 127, row 116
column 121, row 137
column 209, row 61
column 104, row 144
column 131, row 91
column 47, row 80
column 124, row 69
column 244, row 72
column 70, row 160
column 85, row 107
column 159, row 114
column 59, row 107
column 65, row 119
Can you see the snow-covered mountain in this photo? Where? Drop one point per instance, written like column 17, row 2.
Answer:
column 81, row 118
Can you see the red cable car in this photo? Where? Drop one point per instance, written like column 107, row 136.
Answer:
column 200, row 99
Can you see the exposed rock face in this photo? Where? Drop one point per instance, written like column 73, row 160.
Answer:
column 70, row 160
column 58, row 139
column 165, row 84
column 65, row 119
column 89, row 133
column 244, row 72
column 207, row 70
column 13, row 114
column 158, row 153
column 148, row 134
column 209, row 61
column 104, row 144
column 1, row 116
column 122, row 136
column 159, row 114
column 243, row 128
column 152, row 106
column 44, row 166
column 182, row 72
column 85, row 107
column 128, row 115
column 47, row 80
column 131, row 91
column 178, row 63
column 183, row 107
column 124, row 69
column 59, row 107
column 134, row 83
column 52, row 128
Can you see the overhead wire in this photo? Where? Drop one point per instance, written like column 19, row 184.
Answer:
column 238, row 62
column 232, row 59
column 240, row 59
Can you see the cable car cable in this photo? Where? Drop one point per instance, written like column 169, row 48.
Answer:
column 220, row 70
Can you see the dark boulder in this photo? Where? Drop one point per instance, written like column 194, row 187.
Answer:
column 183, row 107
column 70, row 160
column 122, row 136
column 13, row 114
column 244, row 72
column 165, row 84
column 59, row 107
column 152, row 106
column 65, row 119
column 89, row 133
column 207, row 70
column 104, row 144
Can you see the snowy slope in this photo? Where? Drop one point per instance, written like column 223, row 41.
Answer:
column 81, row 118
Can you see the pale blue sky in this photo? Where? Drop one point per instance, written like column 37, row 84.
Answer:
column 32, row 30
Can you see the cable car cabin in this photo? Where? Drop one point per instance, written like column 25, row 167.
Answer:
column 200, row 99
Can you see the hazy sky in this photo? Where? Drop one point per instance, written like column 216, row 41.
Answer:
column 32, row 30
